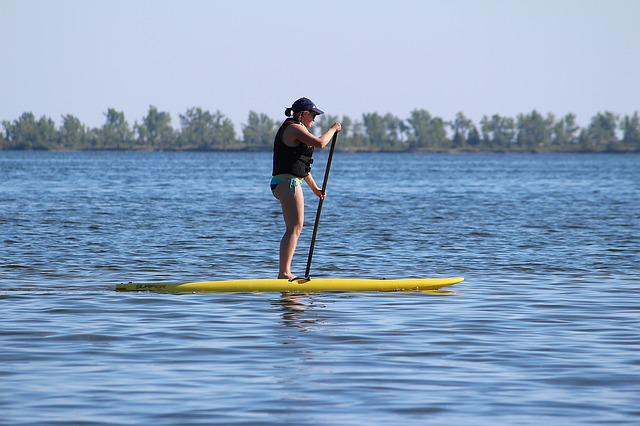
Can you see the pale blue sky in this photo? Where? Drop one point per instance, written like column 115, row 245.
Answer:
column 350, row 57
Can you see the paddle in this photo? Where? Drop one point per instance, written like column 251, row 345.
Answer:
column 324, row 189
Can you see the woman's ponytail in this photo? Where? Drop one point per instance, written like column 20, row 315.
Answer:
column 288, row 112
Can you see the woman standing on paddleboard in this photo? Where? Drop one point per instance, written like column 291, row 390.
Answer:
column 292, row 152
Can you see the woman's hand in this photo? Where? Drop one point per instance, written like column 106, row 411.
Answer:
column 337, row 127
column 319, row 193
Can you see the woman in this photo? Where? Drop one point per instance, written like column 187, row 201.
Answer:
column 292, row 152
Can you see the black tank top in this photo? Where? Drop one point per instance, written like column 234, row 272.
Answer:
column 291, row 160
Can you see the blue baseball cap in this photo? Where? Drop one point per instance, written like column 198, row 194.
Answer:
column 305, row 104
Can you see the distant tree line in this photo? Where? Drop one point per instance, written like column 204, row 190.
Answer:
column 205, row 130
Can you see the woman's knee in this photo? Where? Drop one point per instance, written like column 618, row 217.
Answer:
column 295, row 229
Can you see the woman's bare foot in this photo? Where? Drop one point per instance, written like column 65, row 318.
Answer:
column 286, row 276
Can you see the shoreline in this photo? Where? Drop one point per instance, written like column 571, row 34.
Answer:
column 350, row 150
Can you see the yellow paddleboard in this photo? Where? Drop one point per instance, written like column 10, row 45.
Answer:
column 299, row 285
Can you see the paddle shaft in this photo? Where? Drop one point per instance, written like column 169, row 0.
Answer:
column 324, row 189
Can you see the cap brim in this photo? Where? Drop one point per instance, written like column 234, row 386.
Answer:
column 317, row 110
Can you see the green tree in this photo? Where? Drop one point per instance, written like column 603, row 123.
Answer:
column 601, row 133
column 485, row 131
column 357, row 135
column 346, row 138
column 630, row 127
column 461, row 126
column 259, row 131
column 202, row 130
column 473, row 138
column 21, row 133
column 425, row 131
column 565, row 133
column 27, row 133
column 46, row 133
column 115, row 133
column 498, row 132
column 224, row 133
column 395, row 131
column 533, row 130
column 346, row 134
column 72, row 133
column 384, row 131
column 155, row 130
column 196, row 128
column 374, row 128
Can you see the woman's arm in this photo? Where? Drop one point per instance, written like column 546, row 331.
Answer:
column 297, row 132
column 314, row 186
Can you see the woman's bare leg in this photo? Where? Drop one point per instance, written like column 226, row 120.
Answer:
column 293, row 210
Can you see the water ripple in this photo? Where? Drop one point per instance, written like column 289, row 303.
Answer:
column 545, row 328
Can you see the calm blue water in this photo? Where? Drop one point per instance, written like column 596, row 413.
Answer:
column 545, row 329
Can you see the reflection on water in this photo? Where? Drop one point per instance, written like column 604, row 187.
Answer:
column 294, row 307
column 441, row 292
